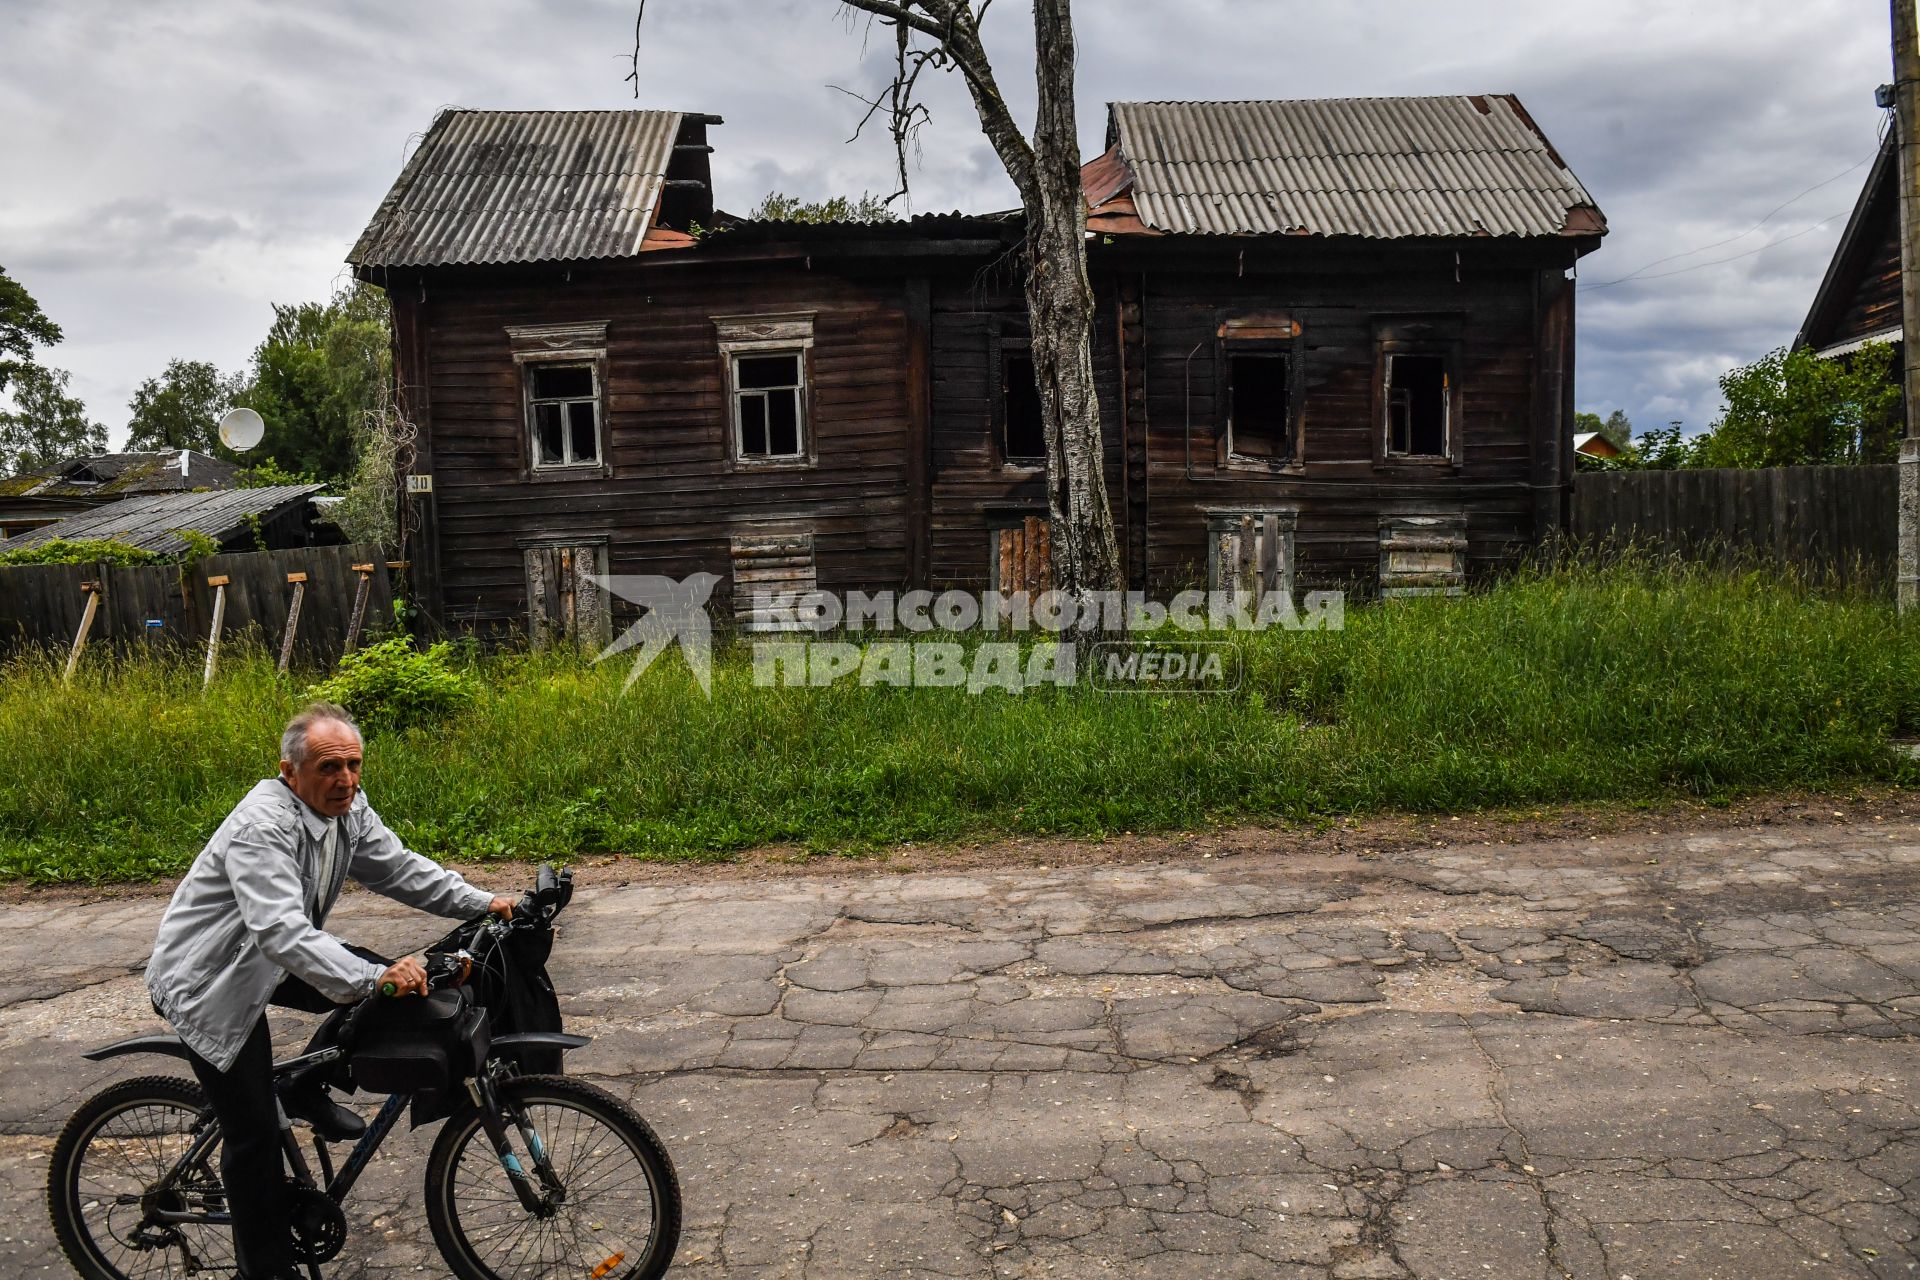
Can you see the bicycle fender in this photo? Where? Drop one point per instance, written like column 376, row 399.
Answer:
column 550, row 1039
column 167, row 1046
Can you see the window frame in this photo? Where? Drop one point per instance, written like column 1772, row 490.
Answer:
column 1256, row 335
column 1432, row 336
column 1002, row 346
column 584, row 345
column 530, row 402
column 747, row 337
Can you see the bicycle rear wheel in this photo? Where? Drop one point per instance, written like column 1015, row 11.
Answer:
column 619, row 1217
column 101, row 1185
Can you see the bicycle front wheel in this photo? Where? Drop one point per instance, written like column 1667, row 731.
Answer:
column 615, row 1214
column 123, row 1205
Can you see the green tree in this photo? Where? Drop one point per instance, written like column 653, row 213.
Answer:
column 323, row 367
column 182, row 408
column 1791, row 408
column 22, row 324
column 1664, row 449
column 780, row 207
column 1616, row 427
column 46, row 424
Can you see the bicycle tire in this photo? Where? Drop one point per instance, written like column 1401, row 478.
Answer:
column 68, row 1204
column 459, row 1168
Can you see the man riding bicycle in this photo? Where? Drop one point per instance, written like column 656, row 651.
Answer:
column 244, row 930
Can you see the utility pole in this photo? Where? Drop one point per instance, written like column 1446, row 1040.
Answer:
column 1906, row 111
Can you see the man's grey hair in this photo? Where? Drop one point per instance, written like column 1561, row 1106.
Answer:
column 293, row 743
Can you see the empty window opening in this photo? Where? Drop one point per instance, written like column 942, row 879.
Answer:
column 1418, row 390
column 565, row 406
column 1023, row 438
column 1258, row 419
column 768, row 392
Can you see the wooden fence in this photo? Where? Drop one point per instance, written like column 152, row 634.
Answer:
column 1830, row 522
column 160, row 608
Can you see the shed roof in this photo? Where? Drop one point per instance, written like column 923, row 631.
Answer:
column 101, row 476
column 1383, row 168
column 523, row 186
column 152, row 523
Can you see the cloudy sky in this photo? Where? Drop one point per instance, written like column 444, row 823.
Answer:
column 168, row 170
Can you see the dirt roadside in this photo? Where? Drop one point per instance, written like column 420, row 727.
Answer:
column 1342, row 839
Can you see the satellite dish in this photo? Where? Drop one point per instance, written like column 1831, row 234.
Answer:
column 241, row 429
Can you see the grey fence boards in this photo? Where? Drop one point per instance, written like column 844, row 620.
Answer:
column 42, row 604
column 1829, row 521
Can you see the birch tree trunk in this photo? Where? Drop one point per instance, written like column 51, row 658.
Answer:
column 1086, row 556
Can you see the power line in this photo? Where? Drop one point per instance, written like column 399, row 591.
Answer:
column 1701, row 266
column 1637, row 273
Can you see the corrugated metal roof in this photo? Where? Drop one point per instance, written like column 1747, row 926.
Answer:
column 1377, row 167
column 523, row 186
column 149, row 523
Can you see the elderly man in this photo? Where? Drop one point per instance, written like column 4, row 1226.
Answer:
column 244, row 930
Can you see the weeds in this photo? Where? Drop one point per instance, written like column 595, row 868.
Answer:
column 1636, row 682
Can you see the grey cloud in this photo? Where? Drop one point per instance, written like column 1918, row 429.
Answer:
column 221, row 156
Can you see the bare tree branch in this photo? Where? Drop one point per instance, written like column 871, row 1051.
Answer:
column 639, row 12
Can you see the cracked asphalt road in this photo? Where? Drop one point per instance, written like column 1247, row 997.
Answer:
column 1638, row 1056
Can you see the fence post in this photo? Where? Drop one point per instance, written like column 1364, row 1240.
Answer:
column 359, row 606
column 299, row 581
column 219, row 585
column 86, row 625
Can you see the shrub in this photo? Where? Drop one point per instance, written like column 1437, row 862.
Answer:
column 391, row 685
column 85, row 551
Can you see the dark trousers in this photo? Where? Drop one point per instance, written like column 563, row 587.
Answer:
column 251, row 1163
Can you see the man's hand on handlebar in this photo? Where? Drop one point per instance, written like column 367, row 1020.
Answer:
column 404, row 977
column 502, row 907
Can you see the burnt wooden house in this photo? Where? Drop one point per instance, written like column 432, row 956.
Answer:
column 1333, row 340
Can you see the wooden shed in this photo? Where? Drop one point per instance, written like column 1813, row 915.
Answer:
column 1342, row 330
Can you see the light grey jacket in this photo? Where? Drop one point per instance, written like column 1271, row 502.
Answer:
column 239, row 920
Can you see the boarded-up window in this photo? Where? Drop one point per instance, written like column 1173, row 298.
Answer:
column 1023, row 439
column 1250, row 552
column 1423, row 555
column 1419, row 395
column 769, row 570
column 1018, row 556
column 564, row 603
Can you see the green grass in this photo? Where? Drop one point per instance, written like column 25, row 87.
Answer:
column 1631, row 683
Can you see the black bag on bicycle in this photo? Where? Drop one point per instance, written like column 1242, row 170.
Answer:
column 420, row 1045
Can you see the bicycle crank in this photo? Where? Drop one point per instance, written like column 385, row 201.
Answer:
column 319, row 1227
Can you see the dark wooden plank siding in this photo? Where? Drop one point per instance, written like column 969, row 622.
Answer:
column 1341, row 490
column 1875, row 304
column 670, row 500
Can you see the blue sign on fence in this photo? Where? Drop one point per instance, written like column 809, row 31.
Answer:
column 154, row 624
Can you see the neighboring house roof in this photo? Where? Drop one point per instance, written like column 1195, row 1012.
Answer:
column 1383, row 168
column 524, row 186
column 151, row 523
column 102, row 476
column 1859, row 298
column 1595, row 445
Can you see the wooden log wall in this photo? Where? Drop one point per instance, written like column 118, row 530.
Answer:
column 668, row 501
column 974, row 493
column 1342, row 489
column 1830, row 522
column 42, row 604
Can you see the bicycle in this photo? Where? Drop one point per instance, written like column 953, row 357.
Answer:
column 531, row 1176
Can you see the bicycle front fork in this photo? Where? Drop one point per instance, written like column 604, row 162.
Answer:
column 541, row 1200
